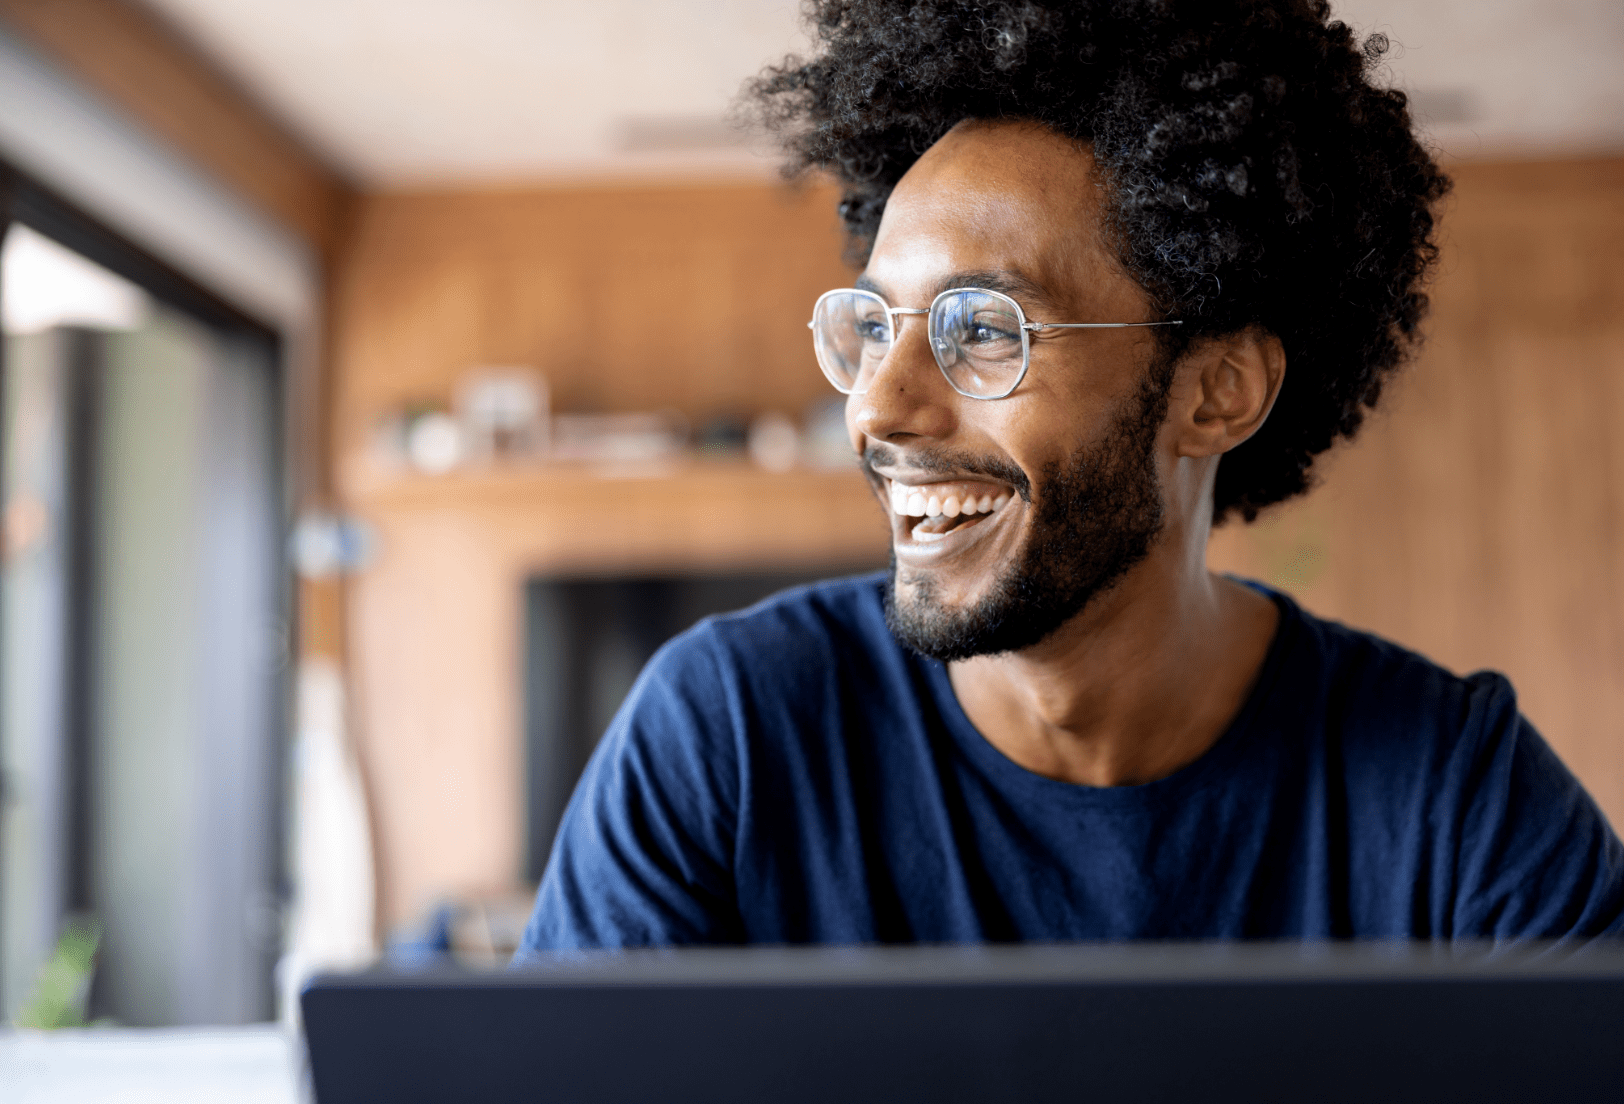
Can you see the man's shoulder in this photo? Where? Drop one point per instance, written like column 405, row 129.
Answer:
column 798, row 638
column 1379, row 679
column 798, row 668
column 713, row 683
column 1393, row 717
column 1450, row 790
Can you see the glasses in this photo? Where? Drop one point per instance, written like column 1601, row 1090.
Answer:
column 981, row 339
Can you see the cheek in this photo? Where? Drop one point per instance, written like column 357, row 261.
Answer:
column 1067, row 416
column 1040, row 434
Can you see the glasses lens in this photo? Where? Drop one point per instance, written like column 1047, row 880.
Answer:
column 979, row 342
column 852, row 334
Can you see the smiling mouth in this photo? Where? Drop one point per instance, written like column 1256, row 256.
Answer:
column 945, row 507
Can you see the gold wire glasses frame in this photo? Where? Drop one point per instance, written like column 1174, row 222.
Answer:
column 975, row 335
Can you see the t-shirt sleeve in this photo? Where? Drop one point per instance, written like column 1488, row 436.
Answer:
column 1536, row 858
column 644, row 855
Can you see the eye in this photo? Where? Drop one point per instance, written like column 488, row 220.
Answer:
column 987, row 330
column 872, row 331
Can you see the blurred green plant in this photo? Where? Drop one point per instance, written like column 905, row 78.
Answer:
column 62, row 989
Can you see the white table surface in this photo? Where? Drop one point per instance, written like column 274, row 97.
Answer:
column 120, row 1065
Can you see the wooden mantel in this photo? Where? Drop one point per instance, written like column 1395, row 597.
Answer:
column 581, row 519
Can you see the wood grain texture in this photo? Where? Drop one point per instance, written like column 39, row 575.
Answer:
column 1479, row 518
column 693, row 298
column 143, row 67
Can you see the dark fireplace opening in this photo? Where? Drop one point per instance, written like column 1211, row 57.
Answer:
column 586, row 639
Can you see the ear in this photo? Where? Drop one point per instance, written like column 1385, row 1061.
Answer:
column 1224, row 390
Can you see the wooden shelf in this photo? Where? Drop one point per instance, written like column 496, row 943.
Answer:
column 687, row 515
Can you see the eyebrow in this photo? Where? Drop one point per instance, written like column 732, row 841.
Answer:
column 1023, row 289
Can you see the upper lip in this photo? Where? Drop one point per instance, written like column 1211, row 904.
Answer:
column 924, row 479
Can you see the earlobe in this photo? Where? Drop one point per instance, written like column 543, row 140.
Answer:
column 1232, row 385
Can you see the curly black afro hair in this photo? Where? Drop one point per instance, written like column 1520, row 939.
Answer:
column 1257, row 176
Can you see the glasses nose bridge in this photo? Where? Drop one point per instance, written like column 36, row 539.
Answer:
column 892, row 314
column 896, row 327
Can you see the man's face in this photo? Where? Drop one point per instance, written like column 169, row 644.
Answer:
column 1068, row 461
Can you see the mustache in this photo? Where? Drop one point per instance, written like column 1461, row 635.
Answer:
column 945, row 463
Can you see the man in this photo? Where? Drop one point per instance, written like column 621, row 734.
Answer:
column 1127, row 270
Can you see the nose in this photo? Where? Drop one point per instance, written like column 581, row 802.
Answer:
column 907, row 396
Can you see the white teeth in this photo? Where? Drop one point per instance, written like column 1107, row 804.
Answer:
column 907, row 502
column 926, row 537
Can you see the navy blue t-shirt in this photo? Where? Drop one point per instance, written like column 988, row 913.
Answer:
column 792, row 774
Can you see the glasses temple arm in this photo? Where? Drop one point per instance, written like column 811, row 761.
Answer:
column 1037, row 326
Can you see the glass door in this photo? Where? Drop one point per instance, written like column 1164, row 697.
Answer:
column 142, row 634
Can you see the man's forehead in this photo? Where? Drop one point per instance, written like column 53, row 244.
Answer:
column 1007, row 206
column 1018, row 144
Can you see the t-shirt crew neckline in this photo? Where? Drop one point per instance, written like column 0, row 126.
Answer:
column 1015, row 779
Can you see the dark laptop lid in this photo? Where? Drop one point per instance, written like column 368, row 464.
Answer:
column 1096, row 1023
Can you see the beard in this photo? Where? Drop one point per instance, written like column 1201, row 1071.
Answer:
column 1097, row 515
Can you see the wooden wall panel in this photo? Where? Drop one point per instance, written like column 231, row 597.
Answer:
column 693, row 298
column 1479, row 518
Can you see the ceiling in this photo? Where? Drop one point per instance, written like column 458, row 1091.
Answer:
column 415, row 93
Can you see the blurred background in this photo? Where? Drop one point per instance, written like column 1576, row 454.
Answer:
column 385, row 379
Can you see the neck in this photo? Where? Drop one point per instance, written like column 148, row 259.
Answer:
column 1141, row 682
